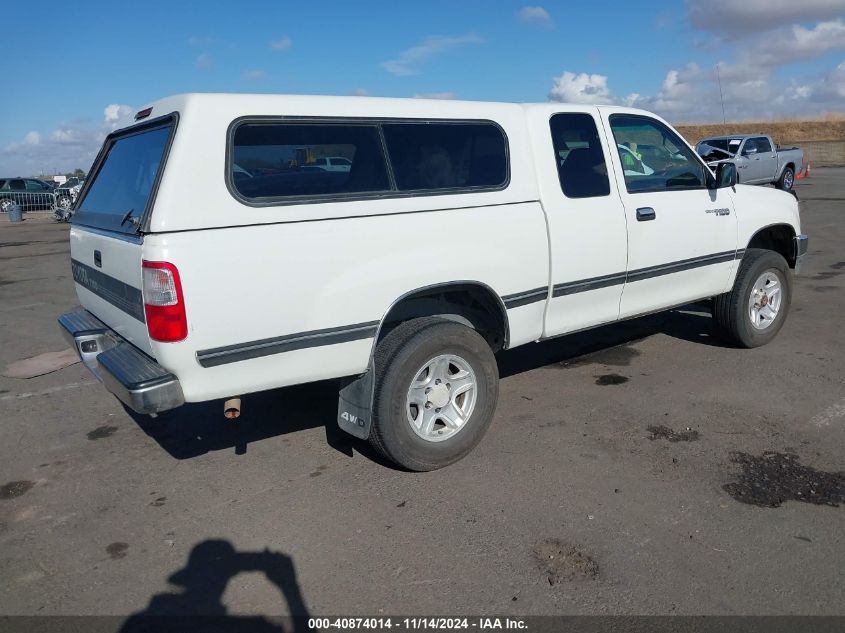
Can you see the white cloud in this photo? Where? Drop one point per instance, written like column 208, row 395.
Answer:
column 73, row 144
column 282, row 45
column 755, row 47
column 796, row 44
column 536, row 16
column 203, row 61
column 410, row 60
column 831, row 87
column 31, row 139
column 748, row 17
column 691, row 94
column 680, row 93
column 254, row 75
column 821, row 94
column 117, row 115
column 435, row 95
column 581, row 88
column 64, row 135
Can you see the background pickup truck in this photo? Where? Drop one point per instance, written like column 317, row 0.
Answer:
column 758, row 160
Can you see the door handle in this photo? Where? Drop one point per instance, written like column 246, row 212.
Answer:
column 644, row 214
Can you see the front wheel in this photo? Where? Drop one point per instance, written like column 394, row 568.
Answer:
column 436, row 389
column 787, row 179
column 754, row 311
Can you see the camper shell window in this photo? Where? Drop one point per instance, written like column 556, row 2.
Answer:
column 275, row 160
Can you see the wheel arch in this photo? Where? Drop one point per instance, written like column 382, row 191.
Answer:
column 776, row 237
column 789, row 165
column 469, row 302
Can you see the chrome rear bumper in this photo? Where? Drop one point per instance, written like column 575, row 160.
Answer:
column 135, row 378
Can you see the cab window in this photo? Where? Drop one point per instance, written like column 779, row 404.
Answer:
column 653, row 157
column 750, row 147
column 763, row 145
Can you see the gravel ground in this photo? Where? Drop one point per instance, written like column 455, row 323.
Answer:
column 641, row 468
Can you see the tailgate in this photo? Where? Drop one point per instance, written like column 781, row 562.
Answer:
column 106, row 242
column 107, row 273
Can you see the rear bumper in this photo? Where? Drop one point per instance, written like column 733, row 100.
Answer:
column 136, row 379
column 801, row 245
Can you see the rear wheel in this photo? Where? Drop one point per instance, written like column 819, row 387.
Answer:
column 753, row 312
column 436, row 389
column 787, row 179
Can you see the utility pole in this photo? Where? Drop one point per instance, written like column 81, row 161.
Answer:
column 721, row 96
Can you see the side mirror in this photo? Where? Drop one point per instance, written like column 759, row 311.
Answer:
column 725, row 175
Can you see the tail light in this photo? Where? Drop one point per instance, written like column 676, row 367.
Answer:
column 164, row 304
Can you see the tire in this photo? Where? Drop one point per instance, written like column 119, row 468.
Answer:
column 64, row 203
column 732, row 311
column 6, row 204
column 418, row 349
column 787, row 179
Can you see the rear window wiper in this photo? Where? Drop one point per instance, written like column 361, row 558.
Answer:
column 127, row 217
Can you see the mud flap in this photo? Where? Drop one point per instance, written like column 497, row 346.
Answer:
column 354, row 405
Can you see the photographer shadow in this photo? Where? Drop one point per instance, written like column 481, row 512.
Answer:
column 211, row 565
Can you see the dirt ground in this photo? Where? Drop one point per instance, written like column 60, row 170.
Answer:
column 783, row 132
column 662, row 471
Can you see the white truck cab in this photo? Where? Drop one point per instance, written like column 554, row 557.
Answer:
column 215, row 257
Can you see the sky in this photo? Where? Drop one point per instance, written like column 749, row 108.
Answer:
column 76, row 74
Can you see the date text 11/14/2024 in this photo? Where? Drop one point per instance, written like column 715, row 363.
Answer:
column 418, row 623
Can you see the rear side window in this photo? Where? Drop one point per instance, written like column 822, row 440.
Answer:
column 581, row 166
column 124, row 180
column 433, row 156
column 272, row 160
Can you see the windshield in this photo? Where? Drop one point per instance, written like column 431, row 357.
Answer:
column 715, row 143
column 120, row 190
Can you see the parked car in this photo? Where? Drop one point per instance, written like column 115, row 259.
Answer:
column 333, row 163
column 758, row 160
column 67, row 193
column 460, row 230
column 28, row 193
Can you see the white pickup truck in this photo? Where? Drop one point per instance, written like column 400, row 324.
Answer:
column 758, row 160
column 211, row 262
